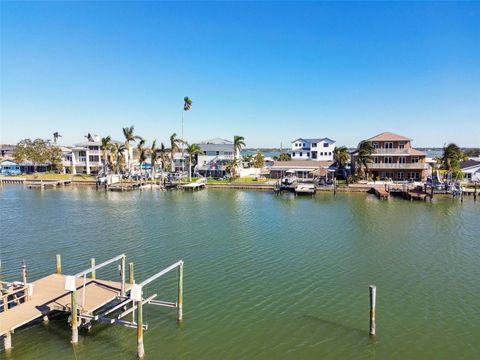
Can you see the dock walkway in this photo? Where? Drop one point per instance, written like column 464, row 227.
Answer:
column 49, row 295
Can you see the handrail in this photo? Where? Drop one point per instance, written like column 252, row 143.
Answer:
column 160, row 273
column 89, row 270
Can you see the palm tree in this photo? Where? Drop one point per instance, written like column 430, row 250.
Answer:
column 117, row 152
column 231, row 167
column 164, row 157
column 56, row 135
column 153, row 157
column 187, row 106
column 142, row 153
column 128, row 133
column 341, row 156
column 192, row 150
column 452, row 156
column 106, row 142
column 174, row 141
column 364, row 156
column 284, row 156
column 248, row 159
column 238, row 143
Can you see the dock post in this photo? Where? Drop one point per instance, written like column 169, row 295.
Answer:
column 431, row 192
column 24, row 279
column 122, row 274
column 92, row 264
column 7, row 340
column 59, row 264
column 74, row 318
column 334, row 186
column 475, row 193
column 180, row 292
column 373, row 299
column 140, row 348
column 130, row 273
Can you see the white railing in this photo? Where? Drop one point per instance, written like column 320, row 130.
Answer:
column 390, row 151
column 415, row 166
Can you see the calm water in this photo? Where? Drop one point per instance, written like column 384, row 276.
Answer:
column 265, row 277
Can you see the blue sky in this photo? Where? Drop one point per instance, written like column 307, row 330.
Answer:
column 270, row 71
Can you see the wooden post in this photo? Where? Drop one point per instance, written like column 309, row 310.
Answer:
column 180, row 292
column 373, row 299
column 130, row 273
column 7, row 340
column 335, row 186
column 92, row 265
column 24, row 273
column 74, row 318
column 140, row 348
column 431, row 192
column 59, row 264
column 475, row 192
column 122, row 274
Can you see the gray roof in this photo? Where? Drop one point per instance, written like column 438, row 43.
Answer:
column 216, row 141
column 95, row 143
column 469, row 163
column 315, row 140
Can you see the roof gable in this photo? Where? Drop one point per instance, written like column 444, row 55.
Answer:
column 386, row 136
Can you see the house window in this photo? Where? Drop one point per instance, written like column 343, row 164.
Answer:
column 330, row 153
column 93, row 158
column 325, row 144
column 314, row 154
column 400, row 175
column 314, row 144
column 401, row 145
column 375, row 159
column 82, row 153
column 308, row 154
column 293, row 154
column 375, row 145
column 217, row 152
column 389, row 145
column 414, row 159
column 301, row 154
column 388, row 160
column 402, row 160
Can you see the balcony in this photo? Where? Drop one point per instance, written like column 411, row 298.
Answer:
column 390, row 151
column 398, row 166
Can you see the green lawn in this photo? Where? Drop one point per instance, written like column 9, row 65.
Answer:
column 52, row 176
column 243, row 180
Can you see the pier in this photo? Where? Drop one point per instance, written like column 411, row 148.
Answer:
column 85, row 297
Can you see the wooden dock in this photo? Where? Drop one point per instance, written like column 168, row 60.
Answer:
column 46, row 184
column 49, row 295
column 380, row 192
column 86, row 299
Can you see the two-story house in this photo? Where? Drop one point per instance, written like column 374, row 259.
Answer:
column 394, row 158
column 85, row 157
column 312, row 149
column 216, row 154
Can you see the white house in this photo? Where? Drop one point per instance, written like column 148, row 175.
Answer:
column 85, row 157
column 312, row 149
column 216, row 154
column 471, row 170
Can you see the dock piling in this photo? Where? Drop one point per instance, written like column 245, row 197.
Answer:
column 74, row 318
column 92, row 265
column 180, row 292
column 122, row 274
column 140, row 348
column 373, row 299
column 7, row 341
column 59, row 264
column 475, row 193
column 130, row 273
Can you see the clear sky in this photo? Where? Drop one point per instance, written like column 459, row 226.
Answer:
column 270, row 71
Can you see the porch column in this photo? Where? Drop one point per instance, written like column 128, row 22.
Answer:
column 87, row 161
column 74, row 163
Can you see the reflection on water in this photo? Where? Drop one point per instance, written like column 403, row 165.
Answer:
column 266, row 276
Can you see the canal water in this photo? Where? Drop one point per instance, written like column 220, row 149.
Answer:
column 266, row 277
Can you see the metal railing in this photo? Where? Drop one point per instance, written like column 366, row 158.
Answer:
column 399, row 166
column 380, row 151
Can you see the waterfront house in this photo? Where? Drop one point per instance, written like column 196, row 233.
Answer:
column 471, row 170
column 9, row 167
column 312, row 149
column 215, row 157
column 394, row 158
column 85, row 157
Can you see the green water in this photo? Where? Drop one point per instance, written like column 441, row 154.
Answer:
column 266, row 277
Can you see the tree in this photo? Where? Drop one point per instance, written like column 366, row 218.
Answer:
column 164, row 157
column 128, row 133
column 37, row 151
column 56, row 135
column 106, row 143
column 364, row 157
column 238, row 143
column 258, row 160
column 248, row 159
column 55, row 158
column 284, row 156
column 341, row 156
column 174, row 141
column 192, row 150
column 451, row 158
column 231, row 167
column 475, row 152
column 117, row 152
column 142, row 153
column 187, row 103
column 153, row 158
